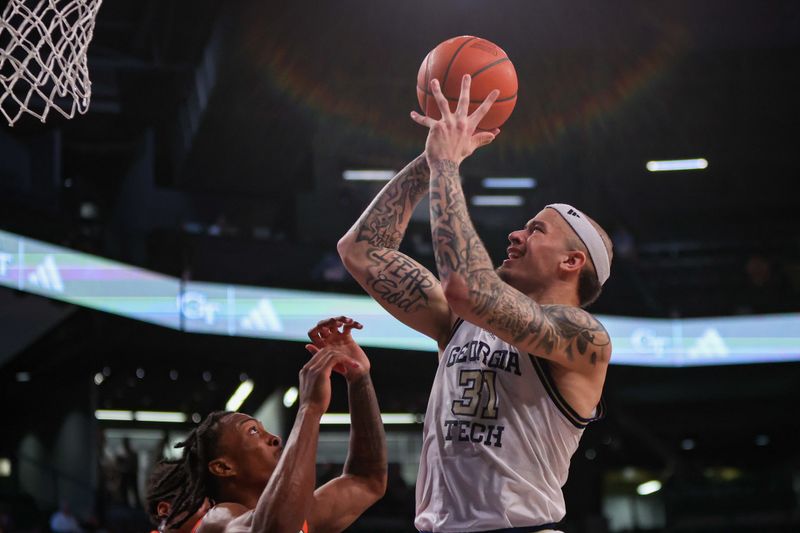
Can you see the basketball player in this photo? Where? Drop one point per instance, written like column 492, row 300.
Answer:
column 521, row 364
column 257, row 485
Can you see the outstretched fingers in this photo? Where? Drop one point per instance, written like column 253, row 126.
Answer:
column 476, row 117
column 441, row 101
column 422, row 120
column 463, row 99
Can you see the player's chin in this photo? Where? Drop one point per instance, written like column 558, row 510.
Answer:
column 502, row 273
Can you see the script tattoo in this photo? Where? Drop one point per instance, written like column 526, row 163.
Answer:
column 391, row 276
column 546, row 329
column 384, row 223
column 399, row 280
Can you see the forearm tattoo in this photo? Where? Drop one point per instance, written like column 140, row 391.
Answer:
column 457, row 247
column 399, row 280
column 393, row 277
column 546, row 330
column 385, row 221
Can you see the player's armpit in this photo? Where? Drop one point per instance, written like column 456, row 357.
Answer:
column 566, row 335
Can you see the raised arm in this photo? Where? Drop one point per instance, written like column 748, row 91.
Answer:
column 369, row 251
column 287, row 501
column 339, row 502
column 567, row 335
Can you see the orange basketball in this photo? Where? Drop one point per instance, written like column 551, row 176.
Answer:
column 489, row 67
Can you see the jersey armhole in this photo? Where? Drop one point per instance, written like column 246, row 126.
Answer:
column 453, row 330
column 566, row 409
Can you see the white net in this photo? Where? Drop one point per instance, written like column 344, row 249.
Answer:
column 43, row 47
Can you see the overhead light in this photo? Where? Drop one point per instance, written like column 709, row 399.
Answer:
column 387, row 418
column 240, row 395
column 159, row 416
column 399, row 418
column 98, row 378
column 480, row 200
column 5, row 467
column 368, row 175
column 140, row 416
column 677, row 164
column 112, row 414
column 648, row 487
column 290, row 396
column 509, row 183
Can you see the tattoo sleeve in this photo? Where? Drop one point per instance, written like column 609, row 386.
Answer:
column 367, row 452
column 395, row 280
column 384, row 222
column 551, row 331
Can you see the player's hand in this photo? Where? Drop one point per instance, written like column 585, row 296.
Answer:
column 315, row 377
column 453, row 137
column 335, row 332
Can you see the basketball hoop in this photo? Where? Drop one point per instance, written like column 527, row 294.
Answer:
column 43, row 45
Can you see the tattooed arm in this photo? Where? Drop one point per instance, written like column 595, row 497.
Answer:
column 565, row 334
column 369, row 250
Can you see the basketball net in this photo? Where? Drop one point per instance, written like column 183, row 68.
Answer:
column 43, row 45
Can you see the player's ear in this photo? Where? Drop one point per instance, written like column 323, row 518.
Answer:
column 573, row 261
column 221, row 467
column 162, row 509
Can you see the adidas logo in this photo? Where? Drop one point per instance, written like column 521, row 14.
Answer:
column 573, row 213
column 46, row 276
column 709, row 345
column 262, row 318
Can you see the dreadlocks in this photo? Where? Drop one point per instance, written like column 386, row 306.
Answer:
column 164, row 484
column 186, row 482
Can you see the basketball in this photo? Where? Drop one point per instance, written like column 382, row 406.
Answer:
column 489, row 67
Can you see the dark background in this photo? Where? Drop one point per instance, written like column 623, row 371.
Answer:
column 213, row 150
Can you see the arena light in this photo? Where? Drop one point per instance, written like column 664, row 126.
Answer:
column 648, row 487
column 491, row 200
column 509, row 183
column 368, row 175
column 113, row 414
column 160, row 416
column 677, row 164
column 239, row 395
column 5, row 467
column 343, row 419
column 290, row 396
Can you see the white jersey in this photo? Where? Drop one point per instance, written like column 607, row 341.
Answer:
column 497, row 440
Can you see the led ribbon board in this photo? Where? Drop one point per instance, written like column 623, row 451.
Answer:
column 221, row 309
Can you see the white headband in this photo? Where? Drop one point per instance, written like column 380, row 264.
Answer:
column 590, row 237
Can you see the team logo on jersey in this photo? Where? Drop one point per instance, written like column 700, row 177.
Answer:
column 473, row 351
